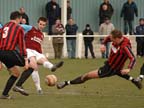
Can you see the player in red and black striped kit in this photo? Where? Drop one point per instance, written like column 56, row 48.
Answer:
column 120, row 52
column 13, row 54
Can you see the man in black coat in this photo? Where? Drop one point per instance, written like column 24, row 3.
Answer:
column 105, row 10
column 88, row 41
column 53, row 13
column 128, row 11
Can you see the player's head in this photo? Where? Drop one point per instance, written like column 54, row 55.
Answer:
column 42, row 21
column 116, row 36
column 16, row 16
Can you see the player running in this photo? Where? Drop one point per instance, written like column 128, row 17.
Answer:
column 13, row 54
column 33, row 39
column 120, row 52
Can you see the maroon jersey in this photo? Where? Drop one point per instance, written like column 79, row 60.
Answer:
column 33, row 39
column 12, row 38
column 120, row 53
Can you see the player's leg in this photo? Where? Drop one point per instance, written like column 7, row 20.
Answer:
column 79, row 80
column 10, row 82
column 41, row 59
column 35, row 74
column 130, row 78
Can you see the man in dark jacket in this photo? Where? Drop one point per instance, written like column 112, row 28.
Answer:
column 139, row 31
column 53, row 13
column 128, row 11
column 24, row 15
column 105, row 10
column 88, row 41
column 71, row 30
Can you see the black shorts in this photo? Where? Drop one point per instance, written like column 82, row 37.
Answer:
column 107, row 71
column 11, row 58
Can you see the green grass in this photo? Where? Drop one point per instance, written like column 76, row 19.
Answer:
column 112, row 92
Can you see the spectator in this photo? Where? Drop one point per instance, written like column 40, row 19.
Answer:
column 140, row 39
column 24, row 15
column 71, row 29
column 105, row 10
column 128, row 11
column 23, row 21
column 53, row 13
column 58, row 29
column 69, row 10
column 105, row 29
column 88, row 41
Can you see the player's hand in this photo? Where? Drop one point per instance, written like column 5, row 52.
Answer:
column 26, row 64
column 125, row 71
column 102, row 48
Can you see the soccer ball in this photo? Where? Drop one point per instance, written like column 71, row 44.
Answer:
column 50, row 80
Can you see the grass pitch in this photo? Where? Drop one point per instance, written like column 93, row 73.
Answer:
column 113, row 92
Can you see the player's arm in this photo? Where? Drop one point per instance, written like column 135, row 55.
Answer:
column 104, row 42
column 132, row 59
column 26, row 28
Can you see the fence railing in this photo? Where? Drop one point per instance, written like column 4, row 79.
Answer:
column 48, row 48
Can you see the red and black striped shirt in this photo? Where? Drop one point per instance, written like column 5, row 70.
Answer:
column 12, row 38
column 120, row 53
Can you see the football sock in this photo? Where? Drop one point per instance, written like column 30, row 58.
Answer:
column 48, row 65
column 78, row 80
column 9, row 84
column 36, row 79
column 24, row 76
column 127, row 77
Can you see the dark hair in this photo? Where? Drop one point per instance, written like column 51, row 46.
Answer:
column 14, row 15
column 141, row 19
column 116, row 33
column 42, row 19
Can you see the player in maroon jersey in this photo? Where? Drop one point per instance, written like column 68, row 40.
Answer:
column 13, row 54
column 34, row 38
column 120, row 52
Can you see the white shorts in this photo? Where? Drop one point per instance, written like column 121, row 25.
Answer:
column 33, row 53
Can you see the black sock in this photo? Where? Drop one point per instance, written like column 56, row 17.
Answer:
column 78, row 80
column 9, row 84
column 24, row 76
column 142, row 70
column 127, row 77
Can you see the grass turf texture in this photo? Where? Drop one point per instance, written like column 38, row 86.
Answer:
column 113, row 92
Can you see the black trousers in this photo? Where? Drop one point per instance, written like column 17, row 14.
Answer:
column 140, row 47
column 88, row 45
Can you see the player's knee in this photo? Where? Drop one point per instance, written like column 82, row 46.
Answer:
column 16, row 74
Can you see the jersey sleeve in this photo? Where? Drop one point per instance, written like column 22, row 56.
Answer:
column 26, row 28
column 131, row 56
column 1, row 26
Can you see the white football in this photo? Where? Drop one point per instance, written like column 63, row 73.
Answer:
column 51, row 80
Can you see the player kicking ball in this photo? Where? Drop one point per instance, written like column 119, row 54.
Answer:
column 120, row 52
column 33, row 39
